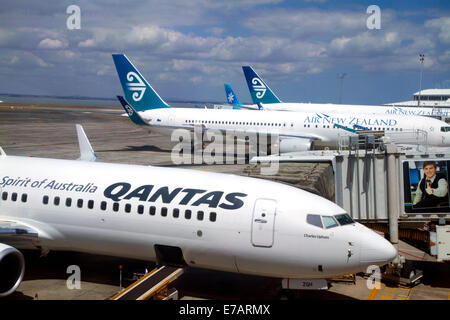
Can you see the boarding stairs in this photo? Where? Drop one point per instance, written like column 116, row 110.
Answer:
column 153, row 285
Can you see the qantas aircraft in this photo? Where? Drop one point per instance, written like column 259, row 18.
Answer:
column 297, row 131
column 263, row 96
column 216, row 221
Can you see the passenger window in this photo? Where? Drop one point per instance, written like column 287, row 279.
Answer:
column 187, row 214
column 163, row 211
column 45, row 200
column 80, row 203
column 344, row 219
column 140, row 209
column 103, row 205
column 68, row 202
column 329, row 222
column 212, row 216
column 152, row 210
column 24, row 197
column 5, row 195
column 116, row 206
column 200, row 215
column 56, row 201
column 91, row 204
column 314, row 219
column 176, row 213
column 14, row 196
column 128, row 207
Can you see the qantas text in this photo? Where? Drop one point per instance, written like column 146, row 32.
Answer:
column 186, row 196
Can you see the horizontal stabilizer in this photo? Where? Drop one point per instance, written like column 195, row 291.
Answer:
column 131, row 112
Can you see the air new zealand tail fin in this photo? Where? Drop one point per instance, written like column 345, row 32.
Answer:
column 136, row 89
column 132, row 113
column 259, row 91
column 231, row 96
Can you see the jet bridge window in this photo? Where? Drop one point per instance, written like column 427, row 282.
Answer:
column 314, row 219
column 329, row 222
column 344, row 219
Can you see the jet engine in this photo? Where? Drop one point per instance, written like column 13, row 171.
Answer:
column 295, row 144
column 12, row 269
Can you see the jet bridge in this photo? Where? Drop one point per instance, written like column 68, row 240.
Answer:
column 153, row 285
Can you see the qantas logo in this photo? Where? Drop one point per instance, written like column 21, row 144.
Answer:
column 259, row 87
column 183, row 196
column 136, row 84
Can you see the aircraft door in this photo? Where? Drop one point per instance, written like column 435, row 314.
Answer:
column 263, row 222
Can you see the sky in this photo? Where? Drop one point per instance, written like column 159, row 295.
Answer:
column 187, row 50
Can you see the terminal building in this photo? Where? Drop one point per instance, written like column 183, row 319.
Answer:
column 433, row 98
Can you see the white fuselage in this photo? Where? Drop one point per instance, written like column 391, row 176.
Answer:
column 392, row 109
column 247, row 225
column 325, row 128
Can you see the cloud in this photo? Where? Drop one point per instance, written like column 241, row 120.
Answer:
column 52, row 44
column 443, row 25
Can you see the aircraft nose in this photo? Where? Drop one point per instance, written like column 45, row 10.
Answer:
column 376, row 250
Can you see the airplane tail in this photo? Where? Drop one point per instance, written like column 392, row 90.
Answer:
column 259, row 91
column 132, row 113
column 136, row 89
column 231, row 96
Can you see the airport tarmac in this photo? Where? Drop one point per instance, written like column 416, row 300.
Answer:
column 49, row 131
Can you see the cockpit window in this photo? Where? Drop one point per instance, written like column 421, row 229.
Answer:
column 329, row 222
column 344, row 219
column 445, row 129
column 314, row 219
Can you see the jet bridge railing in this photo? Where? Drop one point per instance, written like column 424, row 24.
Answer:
column 416, row 138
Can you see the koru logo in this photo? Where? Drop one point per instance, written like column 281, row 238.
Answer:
column 129, row 110
column 138, row 86
column 259, row 87
column 230, row 97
